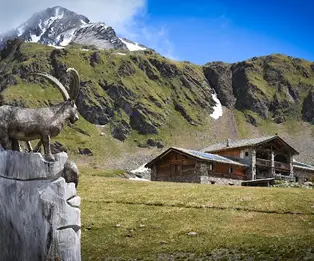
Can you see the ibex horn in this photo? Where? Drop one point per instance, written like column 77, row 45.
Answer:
column 56, row 82
column 75, row 87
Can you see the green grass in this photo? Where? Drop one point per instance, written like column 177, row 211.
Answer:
column 32, row 94
column 241, row 124
column 256, row 78
column 155, row 217
column 102, row 173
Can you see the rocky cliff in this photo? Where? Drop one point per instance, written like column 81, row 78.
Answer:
column 274, row 87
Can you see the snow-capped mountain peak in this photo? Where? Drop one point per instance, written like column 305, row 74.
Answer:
column 132, row 46
column 58, row 26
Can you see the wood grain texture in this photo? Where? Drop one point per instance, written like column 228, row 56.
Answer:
column 39, row 212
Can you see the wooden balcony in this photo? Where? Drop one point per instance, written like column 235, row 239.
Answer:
column 263, row 162
column 267, row 163
column 281, row 165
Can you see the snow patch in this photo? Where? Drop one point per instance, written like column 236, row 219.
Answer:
column 83, row 22
column 34, row 37
column 93, row 25
column 57, row 16
column 20, row 30
column 101, row 25
column 85, row 25
column 67, row 37
column 85, row 50
column 141, row 169
column 218, row 108
column 54, row 46
column 133, row 46
column 45, row 25
column 120, row 53
column 138, row 179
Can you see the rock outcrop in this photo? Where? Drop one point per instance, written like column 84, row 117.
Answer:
column 272, row 87
column 307, row 108
column 39, row 211
column 219, row 75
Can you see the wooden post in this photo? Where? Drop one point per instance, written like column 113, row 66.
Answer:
column 272, row 163
column 253, row 164
column 291, row 165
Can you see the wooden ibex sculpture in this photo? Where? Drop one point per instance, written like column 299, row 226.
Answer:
column 44, row 123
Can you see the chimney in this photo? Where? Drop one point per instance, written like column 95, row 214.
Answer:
column 228, row 142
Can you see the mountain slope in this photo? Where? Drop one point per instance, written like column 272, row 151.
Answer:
column 137, row 95
column 59, row 26
column 146, row 100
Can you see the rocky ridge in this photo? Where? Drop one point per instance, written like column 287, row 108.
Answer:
column 274, row 87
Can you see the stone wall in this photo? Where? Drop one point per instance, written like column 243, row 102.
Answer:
column 303, row 175
column 39, row 211
column 220, row 181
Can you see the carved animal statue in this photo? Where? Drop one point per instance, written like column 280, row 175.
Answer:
column 44, row 123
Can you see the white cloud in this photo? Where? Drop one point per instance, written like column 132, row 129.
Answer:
column 159, row 39
column 155, row 37
column 128, row 18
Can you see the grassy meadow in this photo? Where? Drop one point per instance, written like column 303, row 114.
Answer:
column 135, row 220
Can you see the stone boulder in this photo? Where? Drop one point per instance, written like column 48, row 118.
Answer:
column 155, row 143
column 39, row 211
column 85, row 151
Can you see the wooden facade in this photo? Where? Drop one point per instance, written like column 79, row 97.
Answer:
column 232, row 152
column 177, row 166
column 272, row 158
column 251, row 160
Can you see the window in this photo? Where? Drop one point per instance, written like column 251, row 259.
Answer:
column 211, row 166
column 246, row 154
column 175, row 168
column 230, row 170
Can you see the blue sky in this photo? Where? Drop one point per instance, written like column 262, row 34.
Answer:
column 196, row 30
column 205, row 30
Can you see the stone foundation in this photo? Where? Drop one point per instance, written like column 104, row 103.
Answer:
column 303, row 175
column 220, row 181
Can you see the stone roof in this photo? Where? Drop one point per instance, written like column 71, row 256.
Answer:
column 199, row 155
column 242, row 143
